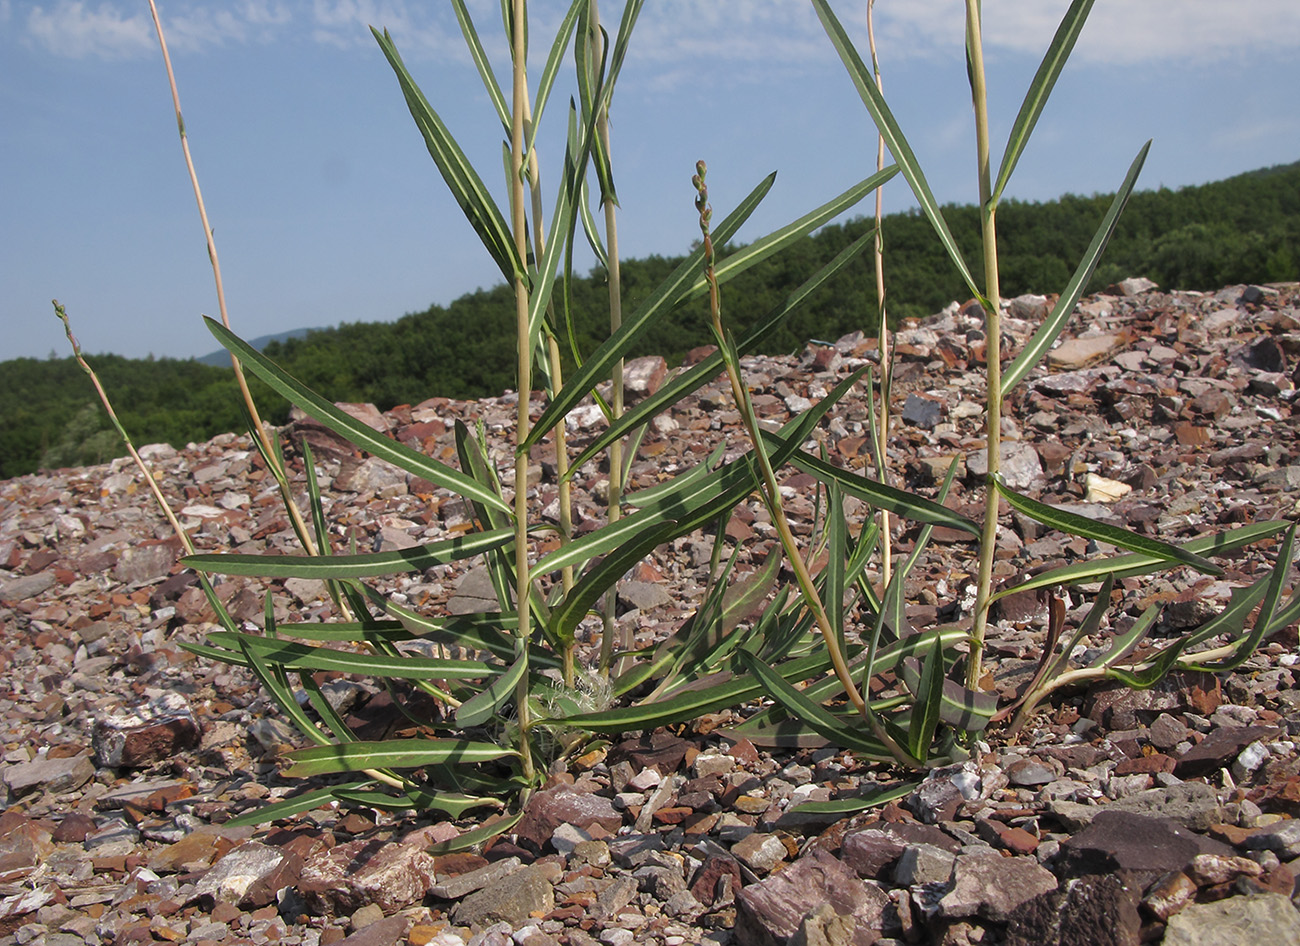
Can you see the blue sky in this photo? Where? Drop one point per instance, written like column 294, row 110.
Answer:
column 327, row 208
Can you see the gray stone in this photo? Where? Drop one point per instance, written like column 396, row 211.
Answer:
column 512, row 900
column 759, row 852
column 771, row 911
column 146, row 562
column 475, row 593
column 564, row 804
column 26, row 586
column 1192, row 804
column 1268, row 917
column 1096, row 910
column 992, row 886
column 923, row 864
column 1282, row 838
column 147, row 733
column 642, row 595
column 51, row 775
column 923, row 412
column 1018, row 465
column 387, row 932
column 825, row 927
column 456, row 887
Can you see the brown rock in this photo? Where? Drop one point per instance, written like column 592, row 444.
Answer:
column 770, row 912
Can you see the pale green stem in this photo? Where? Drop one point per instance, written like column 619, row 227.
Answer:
column 556, row 383
column 616, row 485
column 519, row 226
column 993, row 348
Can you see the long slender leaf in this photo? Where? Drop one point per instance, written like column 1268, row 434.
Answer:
column 1124, row 644
column 295, row 805
column 479, row 55
column 1067, row 34
column 483, row 705
column 294, row 656
column 476, row 836
column 665, row 296
column 364, row 565
column 815, row 716
column 776, row 241
column 603, row 578
column 453, row 804
column 864, row 81
column 1052, row 326
column 844, row 807
column 1074, row 524
column 897, row 501
column 925, row 712
column 1126, row 566
column 358, row 433
column 462, row 180
column 392, row 753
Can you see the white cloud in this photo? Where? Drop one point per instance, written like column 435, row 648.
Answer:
column 79, row 30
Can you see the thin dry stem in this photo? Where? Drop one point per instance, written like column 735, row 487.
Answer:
column 882, row 323
column 259, row 430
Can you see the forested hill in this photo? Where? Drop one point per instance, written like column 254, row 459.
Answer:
column 1245, row 229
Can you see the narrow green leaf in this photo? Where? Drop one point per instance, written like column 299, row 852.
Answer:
column 1264, row 620
column 604, row 578
column 364, row 565
column 461, row 178
column 1126, row 566
column 844, row 807
column 1047, row 333
column 1067, row 34
column 776, row 241
column 967, row 710
column 1074, row 524
column 453, row 804
column 864, row 81
column 897, row 501
column 692, row 704
column 294, row 656
column 552, row 69
column 358, row 433
column 925, row 712
column 479, row 55
column 295, row 805
column 815, row 716
column 392, row 753
column 1124, row 644
column 476, row 836
column 485, row 704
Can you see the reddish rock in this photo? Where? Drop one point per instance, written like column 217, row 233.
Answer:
column 350, row 876
column 145, row 734
column 564, row 804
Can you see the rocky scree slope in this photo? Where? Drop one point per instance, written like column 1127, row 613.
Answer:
column 1168, row 815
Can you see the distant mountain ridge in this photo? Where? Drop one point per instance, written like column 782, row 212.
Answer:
column 1242, row 230
column 221, row 358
